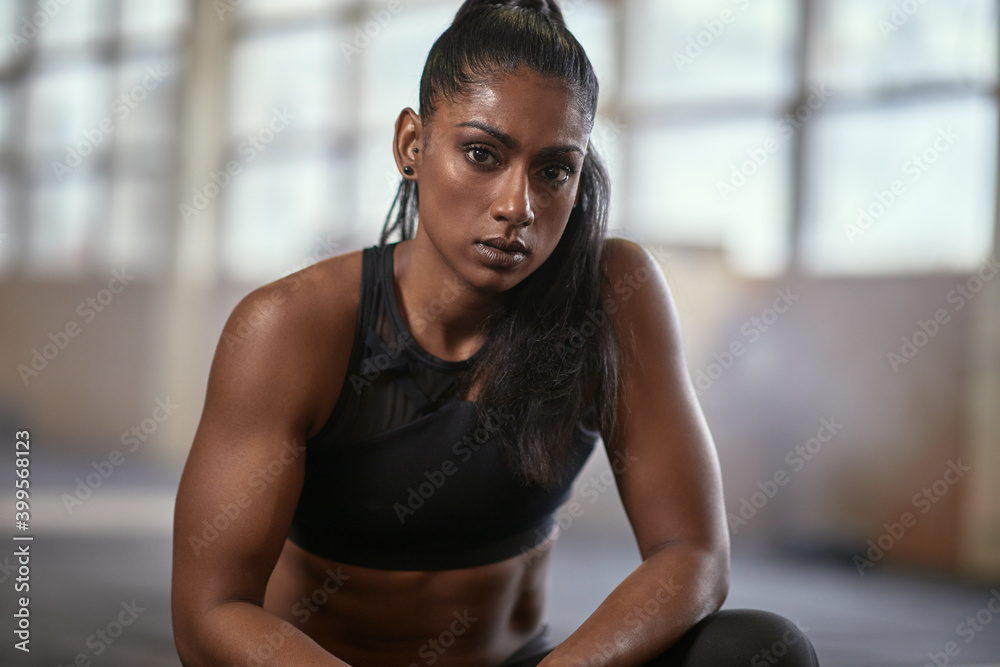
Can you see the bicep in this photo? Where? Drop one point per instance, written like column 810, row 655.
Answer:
column 664, row 458
column 234, row 506
column 243, row 476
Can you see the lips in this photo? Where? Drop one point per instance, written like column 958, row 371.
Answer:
column 500, row 254
column 501, row 243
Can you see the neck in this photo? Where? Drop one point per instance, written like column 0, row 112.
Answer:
column 442, row 310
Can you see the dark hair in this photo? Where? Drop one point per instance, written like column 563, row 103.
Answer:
column 551, row 359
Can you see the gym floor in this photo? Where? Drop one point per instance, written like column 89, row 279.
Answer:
column 113, row 554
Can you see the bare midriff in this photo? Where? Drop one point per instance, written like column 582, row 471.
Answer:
column 449, row 618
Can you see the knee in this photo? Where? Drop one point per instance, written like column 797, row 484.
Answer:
column 776, row 639
column 752, row 637
column 770, row 639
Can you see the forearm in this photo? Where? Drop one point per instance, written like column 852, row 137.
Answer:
column 240, row 633
column 669, row 592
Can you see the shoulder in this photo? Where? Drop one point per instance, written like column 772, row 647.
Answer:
column 625, row 259
column 622, row 248
column 637, row 298
column 293, row 336
column 317, row 295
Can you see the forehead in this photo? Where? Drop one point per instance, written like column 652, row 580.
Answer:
column 534, row 110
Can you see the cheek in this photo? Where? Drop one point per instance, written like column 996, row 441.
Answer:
column 550, row 204
column 453, row 188
column 552, row 219
column 553, row 208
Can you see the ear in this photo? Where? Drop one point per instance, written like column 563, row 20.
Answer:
column 407, row 141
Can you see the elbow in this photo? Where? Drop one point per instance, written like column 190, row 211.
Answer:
column 186, row 650
column 707, row 564
column 185, row 641
column 189, row 632
column 713, row 573
column 716, row 564
column 720, row 571
column 720, row 589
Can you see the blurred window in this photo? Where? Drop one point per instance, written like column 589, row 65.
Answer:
column 848, row 137
column 87, row 133
column 836, row 137
column 901, row 177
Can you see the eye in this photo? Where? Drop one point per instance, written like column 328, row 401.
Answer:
column 557, row 173
column 481, row 156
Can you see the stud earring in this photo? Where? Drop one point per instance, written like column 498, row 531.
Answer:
column 408, row 170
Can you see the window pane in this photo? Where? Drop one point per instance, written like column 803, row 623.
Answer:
column 300, row 70
column 73, row 24
column 593, row 25
column 153, row 23
column 65, row 109
column 715, row 184
column 862, row 44
column 276, row 212
column 715, row 50
column 143, row 111
column 391, row 63
column 17, row 30
column 140, row 216
column 899, row 189
column 65, row 218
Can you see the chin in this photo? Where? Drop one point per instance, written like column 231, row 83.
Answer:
column 494, row 283
column 491, row 281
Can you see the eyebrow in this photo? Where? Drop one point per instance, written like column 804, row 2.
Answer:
column 509, row 142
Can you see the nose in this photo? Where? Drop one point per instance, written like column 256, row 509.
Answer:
column 513, row 201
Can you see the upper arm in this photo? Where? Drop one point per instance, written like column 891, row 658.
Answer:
column 667, row 469
column 244, row 473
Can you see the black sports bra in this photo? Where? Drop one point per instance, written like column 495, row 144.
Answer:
column 400, row 477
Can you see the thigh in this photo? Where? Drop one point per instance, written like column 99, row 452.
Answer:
column 740, row 637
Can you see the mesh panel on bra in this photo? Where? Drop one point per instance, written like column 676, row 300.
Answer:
column 391, row 380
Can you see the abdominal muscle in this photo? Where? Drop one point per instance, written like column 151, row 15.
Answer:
column 451, row 618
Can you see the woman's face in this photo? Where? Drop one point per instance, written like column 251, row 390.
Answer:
column 502, row 161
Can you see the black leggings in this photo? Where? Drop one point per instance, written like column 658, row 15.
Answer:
column 727, row 638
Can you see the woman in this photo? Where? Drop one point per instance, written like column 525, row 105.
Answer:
column 387, row 434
